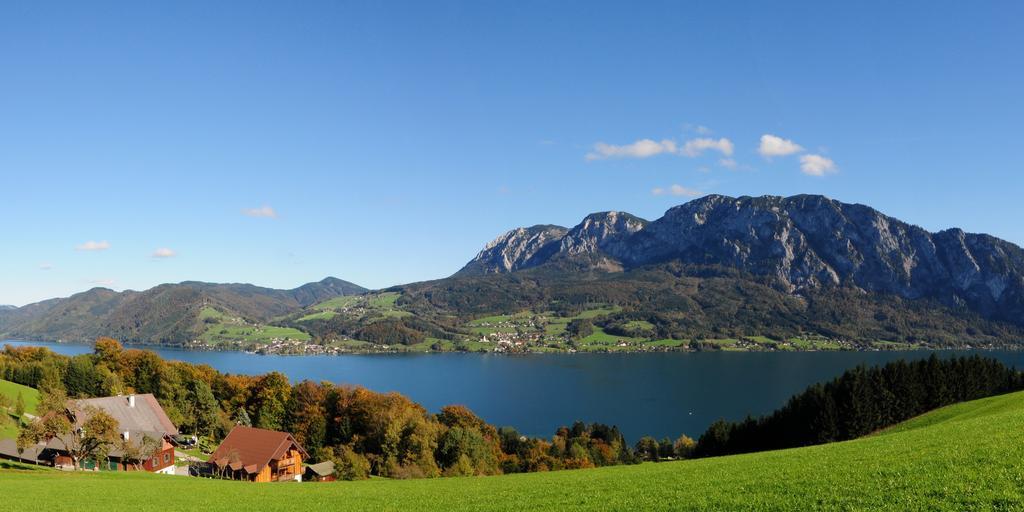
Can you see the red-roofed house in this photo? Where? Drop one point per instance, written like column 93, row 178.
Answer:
column 259, row 455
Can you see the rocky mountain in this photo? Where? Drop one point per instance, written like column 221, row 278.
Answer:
column 805, row 244
column 518, row 249
column 167, row 313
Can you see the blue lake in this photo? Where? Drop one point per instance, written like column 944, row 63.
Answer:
column 663, row 394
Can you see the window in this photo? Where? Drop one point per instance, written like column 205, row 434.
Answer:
column 167, row 458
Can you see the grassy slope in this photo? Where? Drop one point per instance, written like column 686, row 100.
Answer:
column 225, row 329
column 968, row 456
column 11, row 390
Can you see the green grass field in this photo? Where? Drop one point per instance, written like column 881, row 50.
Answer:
column 964, row 457
column 9, row 429
column 375, row 305
column 218, row 333
column 219, row 328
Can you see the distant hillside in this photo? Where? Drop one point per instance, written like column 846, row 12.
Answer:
column 166, row 314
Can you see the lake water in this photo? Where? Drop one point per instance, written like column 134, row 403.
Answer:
column 662, row 394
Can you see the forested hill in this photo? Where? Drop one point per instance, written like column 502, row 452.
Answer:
column 165, row 314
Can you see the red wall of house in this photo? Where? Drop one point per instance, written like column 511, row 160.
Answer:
column 161, row 460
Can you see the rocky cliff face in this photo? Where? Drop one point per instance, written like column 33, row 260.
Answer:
column 518, row 249
column 805, row 242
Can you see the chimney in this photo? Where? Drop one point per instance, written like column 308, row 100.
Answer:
column 126, row 434
column 131, row 400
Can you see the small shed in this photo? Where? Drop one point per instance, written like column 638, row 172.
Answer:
column 319, row 472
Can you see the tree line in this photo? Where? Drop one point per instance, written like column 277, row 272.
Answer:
column 861, row 401
column 365, row 433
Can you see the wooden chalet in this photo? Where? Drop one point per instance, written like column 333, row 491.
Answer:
column 258, row 455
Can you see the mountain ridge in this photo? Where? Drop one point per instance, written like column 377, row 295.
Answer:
column 804, row 242
column 764, row 271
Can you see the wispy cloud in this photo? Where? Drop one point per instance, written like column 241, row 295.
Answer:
column 646, row 148
column 676, row 190
column 263, row 211
column 699, row 129
column 772, row 145
column 46, row 266
column 817, row 165
column 694, row 147
column 103, row 282
column 643, row 148
column 728, row 163
column 164, row 252
column 93, row 246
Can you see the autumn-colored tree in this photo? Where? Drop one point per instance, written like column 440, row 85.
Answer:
column 233, row 391
column 394, row 433
column 108, row 352
column 348, row 465
column 306, row 415
column 52, row 400
column 143, row 371
column 684, row 446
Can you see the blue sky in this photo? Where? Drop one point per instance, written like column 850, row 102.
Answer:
column 386, row 142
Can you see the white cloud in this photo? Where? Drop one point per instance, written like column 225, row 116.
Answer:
column 642, row 148
column 676, row 190
column 695, row 147
column 93, row 246
column 728, row 163
column 817, row 165
column 46, row 266
column 772, row 145
column 164, row 252
column 263, row 211
column 102, row 282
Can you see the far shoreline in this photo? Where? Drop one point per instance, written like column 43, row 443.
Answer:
column 1010, row 347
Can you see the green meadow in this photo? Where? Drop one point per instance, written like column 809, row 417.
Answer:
column 10, row 390
column 220, row 328
column 968, row 456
